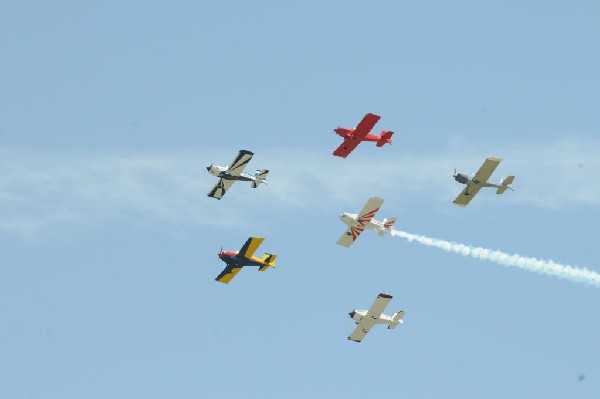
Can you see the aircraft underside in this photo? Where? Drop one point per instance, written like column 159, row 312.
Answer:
column 242, row 177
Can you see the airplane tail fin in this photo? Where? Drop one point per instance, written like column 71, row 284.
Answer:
column 505, row 183
column 261, row 177
column 389, row 223
column 269, row 260
column 385, row 138
column 396, row 319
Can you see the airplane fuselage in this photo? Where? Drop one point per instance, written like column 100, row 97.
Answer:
column 352, row 220
column 347, row 133
column 465, row 179
column 358, row 316
column 222, row 172
column 232, row 259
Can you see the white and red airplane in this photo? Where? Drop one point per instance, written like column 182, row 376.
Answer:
column 362, row 132
column 364, row 220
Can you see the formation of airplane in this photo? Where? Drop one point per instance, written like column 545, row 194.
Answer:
column 236, row 260
column 358, row 222
column 229, row 174
column 362, row 132
column 366, row 319
column 480, row 180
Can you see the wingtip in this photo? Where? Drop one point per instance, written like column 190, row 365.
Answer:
column 382, row 295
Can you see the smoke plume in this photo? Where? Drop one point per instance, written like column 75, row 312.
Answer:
column 576, row 274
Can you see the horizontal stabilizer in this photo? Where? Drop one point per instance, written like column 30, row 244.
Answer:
column 505, row 183
column 386, row 138
column 398, row 316
column 269, row 260
column 389, row 223
column 261, row 177
column 396, row 319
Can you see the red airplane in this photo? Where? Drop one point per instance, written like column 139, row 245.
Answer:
column 353, row 137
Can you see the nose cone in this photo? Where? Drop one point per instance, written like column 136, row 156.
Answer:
column 340, row 131
column 351, row 314
column 461, row 178
column 213, row 170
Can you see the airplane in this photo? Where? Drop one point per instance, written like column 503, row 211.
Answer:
column 353, row 137
column 366, row 319
column 228, row 175
column 236, row 260
column 364, row 219
column 479, row 180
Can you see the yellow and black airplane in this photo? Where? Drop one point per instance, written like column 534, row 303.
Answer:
column 236, row 260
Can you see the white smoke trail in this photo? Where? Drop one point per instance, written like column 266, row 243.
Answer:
column 576, row 274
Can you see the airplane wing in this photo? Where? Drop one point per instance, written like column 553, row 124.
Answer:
column 358, row 135
column 346, row 147
column 220, row 188
column 227, row 274
column 240, row 162
column 250, row 246
column 365, row 126
column 350, row 236
column 463, row 198
column 370, row 209
column 378, row 306
column 486, row 170
column 360, row 331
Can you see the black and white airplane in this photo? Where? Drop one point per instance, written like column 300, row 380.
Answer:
column 229, row 174
column 366, row 319
column 479, row 180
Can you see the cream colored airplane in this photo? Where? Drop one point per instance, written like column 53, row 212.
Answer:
column 479, row 180
column 229, row 174
column 366, row 319
column 357, row 222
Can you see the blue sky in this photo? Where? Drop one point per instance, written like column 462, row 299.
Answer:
column 110, row 113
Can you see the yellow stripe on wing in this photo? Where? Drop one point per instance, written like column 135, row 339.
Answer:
column 251, row 246
column 227, row 275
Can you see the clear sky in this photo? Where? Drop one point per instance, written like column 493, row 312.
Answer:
column 110, row 112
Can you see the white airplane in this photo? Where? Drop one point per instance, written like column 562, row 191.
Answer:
column 364, row 220
column 366, row 319
column 229, row 174
column 479, row 180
